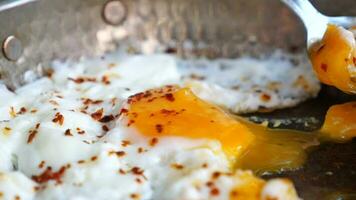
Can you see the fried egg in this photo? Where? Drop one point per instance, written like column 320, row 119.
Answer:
column 125, row 127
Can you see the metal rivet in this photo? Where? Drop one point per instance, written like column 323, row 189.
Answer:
column 12, row 48
column 114, row 12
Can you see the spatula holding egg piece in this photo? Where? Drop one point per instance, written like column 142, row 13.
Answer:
column 332, row 48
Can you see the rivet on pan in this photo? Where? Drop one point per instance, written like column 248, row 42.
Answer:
column 12, row 48
column 114, row 12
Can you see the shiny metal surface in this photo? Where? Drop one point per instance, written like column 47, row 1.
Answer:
column 316, row 23
column 68, row 29
column 114, row 12
column 12, row 48
column 226, row 28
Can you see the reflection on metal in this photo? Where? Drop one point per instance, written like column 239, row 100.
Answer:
column 11, row 4
column 12, row 48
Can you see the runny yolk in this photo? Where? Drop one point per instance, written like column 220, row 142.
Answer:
column 276, row 150
column 340, row 122
column 173, row 111
column 334, row 58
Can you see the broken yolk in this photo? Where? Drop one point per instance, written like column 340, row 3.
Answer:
column 340, row 122
column 334, row 58
column 275, row 150
column 173, row 111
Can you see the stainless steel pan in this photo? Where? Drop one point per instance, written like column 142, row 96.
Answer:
column 32, row 33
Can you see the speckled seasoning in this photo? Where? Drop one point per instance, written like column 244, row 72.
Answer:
column 66, row 136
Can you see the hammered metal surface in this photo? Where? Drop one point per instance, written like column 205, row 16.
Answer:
column 227, row 28
column 71, row 28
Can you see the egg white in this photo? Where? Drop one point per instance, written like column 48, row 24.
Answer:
column 96, row 172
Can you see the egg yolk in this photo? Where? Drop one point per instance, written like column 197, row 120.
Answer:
column 173, row 111
column 340, row 122
column 275, row 150
column 249, row 187
column 334, row 58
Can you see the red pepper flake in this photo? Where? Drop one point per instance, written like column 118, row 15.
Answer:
column 97, row 114
column 58, row 118
column 234, row 193
column 23, row 110
column 168, row 112
column 130, row 123
column 80, row 131
column 123, row 111
column 81, row 80
column 134, row 114
column 105, row 80
column 68, row 133
column 81, row 161
column 265, row 97
column 214, row 192
column 137, row 171
column 169, row 97
column 94, row 158
column 87, row 101
column 138, row 180
column 42, row 164
column 100, row 136
column 177, row 166
column 196, row 77
column 107, row 118
column 159, row 128
column 135, row 196
column 324, row 67
column 125, row 143
column 105, row 128
column 153, row 141
column 48, row 175
column 204, row 165
column 320, row 48
column 354, row 60
column 37, row 125
column 31, row 136
column 121, row 171
column 216, row 175
column 209, row 184
column 33, row 111
column 48, row 72
column 140, row 150
column 118, row 153
column 152, row 99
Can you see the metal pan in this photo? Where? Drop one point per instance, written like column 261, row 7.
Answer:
column 35, row 32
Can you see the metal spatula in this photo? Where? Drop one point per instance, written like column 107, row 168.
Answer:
column 316, row 23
